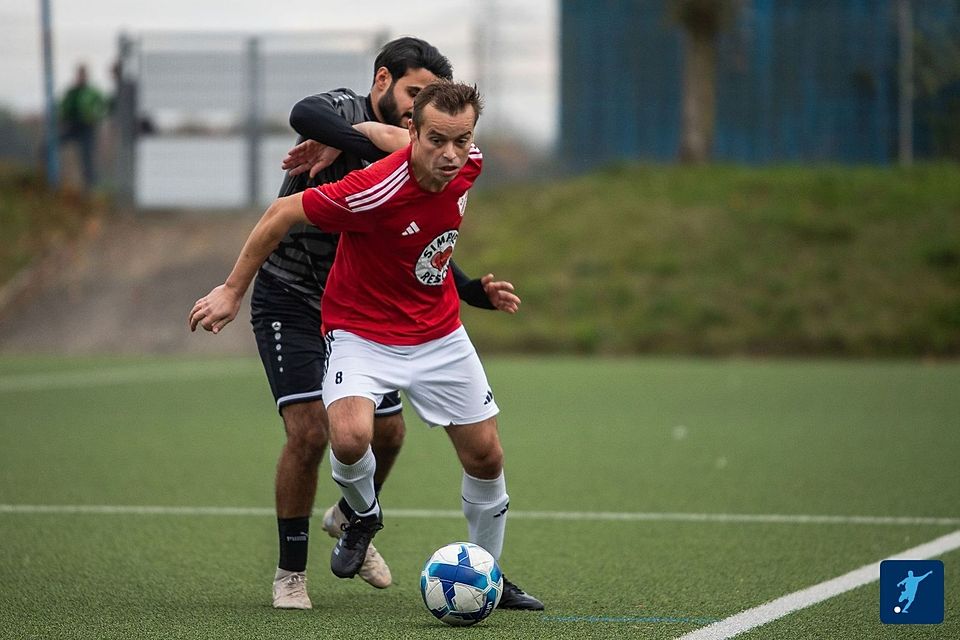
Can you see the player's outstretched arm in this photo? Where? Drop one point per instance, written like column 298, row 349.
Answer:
column 219, row 307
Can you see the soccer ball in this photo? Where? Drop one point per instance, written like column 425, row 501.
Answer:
column 461, row 584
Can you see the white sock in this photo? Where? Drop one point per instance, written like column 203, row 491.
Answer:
column 356, row 482
column 485, row 505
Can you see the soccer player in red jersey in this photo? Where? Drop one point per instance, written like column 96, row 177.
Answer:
column 391, row 315
column 336, row 128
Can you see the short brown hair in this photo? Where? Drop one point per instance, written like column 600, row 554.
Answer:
column 448, row 97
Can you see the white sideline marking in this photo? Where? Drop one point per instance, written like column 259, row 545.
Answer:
column 83, row 378
column 603, row 516
column 757, row 616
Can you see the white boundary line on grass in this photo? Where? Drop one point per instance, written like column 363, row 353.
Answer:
column 603, row 516
column 757, row 616
column 123, row 374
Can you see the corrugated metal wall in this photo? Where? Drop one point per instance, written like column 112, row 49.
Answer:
column 797, row 81
column 808, row 81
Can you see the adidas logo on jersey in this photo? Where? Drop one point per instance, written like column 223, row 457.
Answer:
column 411, row 229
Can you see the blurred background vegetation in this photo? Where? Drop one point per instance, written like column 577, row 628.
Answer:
column 716, row 259
column 35, row 220
column 724, row 260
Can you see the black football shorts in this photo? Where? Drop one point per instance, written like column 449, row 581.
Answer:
column 287, row 329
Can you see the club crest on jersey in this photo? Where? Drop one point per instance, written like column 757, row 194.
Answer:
column 462, row 203
column 431, row 268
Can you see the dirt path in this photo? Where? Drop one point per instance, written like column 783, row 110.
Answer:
column 127, row 288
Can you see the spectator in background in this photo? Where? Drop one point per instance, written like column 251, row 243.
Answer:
column 82, row 109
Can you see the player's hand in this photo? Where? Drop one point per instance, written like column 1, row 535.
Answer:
column 215, row 310
column 309, row 155
column 500, row 293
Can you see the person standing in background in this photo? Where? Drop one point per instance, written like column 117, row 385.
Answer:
column 82, row 109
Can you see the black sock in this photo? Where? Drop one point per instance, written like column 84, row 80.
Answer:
column 294, row 534
column 347, row 510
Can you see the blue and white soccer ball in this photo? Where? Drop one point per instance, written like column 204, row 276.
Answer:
column 461, row 584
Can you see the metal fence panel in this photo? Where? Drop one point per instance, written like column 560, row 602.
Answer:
column 203, row 107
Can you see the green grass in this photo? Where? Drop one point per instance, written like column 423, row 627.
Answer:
column 726, row 260
column 742, row 437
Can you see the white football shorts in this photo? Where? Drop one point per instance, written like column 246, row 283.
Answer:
column 443, row 379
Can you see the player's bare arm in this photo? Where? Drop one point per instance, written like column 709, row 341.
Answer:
column 386, row 136
column 219, row 307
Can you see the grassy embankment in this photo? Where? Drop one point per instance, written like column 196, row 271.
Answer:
column 653, row 259
column 725, row 260
column 33, row 220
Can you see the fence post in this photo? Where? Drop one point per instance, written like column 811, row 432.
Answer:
column 253, row 121
column 126, row 123
column 52, row 129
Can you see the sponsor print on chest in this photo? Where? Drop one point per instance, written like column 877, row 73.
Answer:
column 431, row 267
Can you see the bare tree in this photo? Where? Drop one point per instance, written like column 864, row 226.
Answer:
column 702, row 21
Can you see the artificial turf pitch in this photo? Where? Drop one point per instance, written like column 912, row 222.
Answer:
column 660, row 448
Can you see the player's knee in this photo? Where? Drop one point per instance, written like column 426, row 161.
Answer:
column 307, row 430
column 349, row 445
column 484, row 463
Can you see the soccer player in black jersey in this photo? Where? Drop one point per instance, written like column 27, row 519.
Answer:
column 285, row 306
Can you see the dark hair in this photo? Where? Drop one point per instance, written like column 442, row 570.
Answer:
column 448, row 97
column 402, row 54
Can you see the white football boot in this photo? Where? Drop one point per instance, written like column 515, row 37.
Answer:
column 290, row 590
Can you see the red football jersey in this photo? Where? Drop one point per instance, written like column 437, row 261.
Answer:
column 389, row 279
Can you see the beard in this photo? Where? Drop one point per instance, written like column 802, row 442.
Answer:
column 388, row 108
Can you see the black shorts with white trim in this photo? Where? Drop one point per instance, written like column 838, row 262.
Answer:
column 292, row 351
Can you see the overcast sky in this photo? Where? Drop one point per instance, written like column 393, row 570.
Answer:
column 87, row 31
